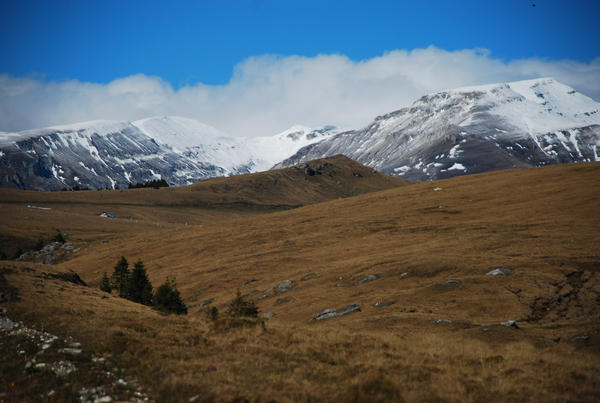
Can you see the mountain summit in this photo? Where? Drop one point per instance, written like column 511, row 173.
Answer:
column 473, row 129
column 108, row 154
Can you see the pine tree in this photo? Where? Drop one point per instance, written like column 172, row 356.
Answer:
column 120, row 277
column 139, row 288
column 167, row 298
column 105, row 284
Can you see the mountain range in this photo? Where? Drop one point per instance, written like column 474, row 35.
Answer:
column 455, row 132
column 474, row 129
column 108, row 154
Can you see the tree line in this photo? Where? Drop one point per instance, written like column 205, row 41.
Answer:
column 135, row 286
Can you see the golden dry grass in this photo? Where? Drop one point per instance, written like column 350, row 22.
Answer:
column 540, row 223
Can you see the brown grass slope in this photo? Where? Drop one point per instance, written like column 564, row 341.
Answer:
column 143, row 210
column 430, row 244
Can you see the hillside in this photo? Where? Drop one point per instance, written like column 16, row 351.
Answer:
column 415, row 259
column 143, row 210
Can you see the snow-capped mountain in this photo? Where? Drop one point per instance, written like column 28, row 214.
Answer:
column 107, row 154
column 475, row 129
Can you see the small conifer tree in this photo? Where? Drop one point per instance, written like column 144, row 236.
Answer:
column 241, row 306
column 167, row 298
column 139, row 288
column 120, row 277
column 105, row 284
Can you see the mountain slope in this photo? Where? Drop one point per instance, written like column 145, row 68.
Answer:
column 414, row 260
column 207, row 201
column 106, row 154
column 474, row 129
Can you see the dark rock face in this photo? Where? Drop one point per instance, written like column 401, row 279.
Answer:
column 65, row 160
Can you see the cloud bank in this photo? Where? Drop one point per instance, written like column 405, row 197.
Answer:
column 268, row 94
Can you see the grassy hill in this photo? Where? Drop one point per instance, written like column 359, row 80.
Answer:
column 415, row 259
column 147, row 210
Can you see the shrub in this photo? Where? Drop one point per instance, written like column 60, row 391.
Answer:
column 59, row 237
column 212, row 313
column 241, row 306
column 167, row 298
column 139, row 288
column 105, row 284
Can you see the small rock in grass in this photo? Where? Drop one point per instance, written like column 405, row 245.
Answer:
column 499, row 271
column 369, row 278
column 285, row 284
column 510, row 323
column 206, row 302
column 441, row 321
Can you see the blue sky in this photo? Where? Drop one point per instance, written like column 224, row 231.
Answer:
column 185, row 42
column 255, row 67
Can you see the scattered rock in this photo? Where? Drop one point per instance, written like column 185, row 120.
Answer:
column 197, row 293
column 62, row 368
column 581, row 337
column 437, row 189
column 280, row 301
column 349, row 284
column 333, row 313
column 72, row 351
column 499, row 271
column 510, row 323
column 206, row 302
column 381, row 304
column 285, row 284
column 326, row 314
column 194, row 398
column 268, row 315
column 68, row 246
column 369, row 278
column 440, row 321
column 254, row 292
column 404, row 275
column 452, row 283
column 307, row 277
column 250, row 281
column 282, row 290
column 262, row 297
column 348, row 309
column 103, row 399
column 121, row 383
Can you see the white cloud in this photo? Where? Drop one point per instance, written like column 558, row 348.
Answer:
column 267, row 94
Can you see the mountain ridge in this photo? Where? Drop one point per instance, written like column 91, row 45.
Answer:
column 473, row 129
column 112, row 154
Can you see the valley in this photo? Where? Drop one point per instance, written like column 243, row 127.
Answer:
column 479, row 287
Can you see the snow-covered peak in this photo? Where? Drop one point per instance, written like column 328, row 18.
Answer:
column 179, row 132
column 100, row 127
column 535, row 106
column 273, row 149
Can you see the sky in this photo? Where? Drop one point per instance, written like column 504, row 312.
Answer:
column 256, row 67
